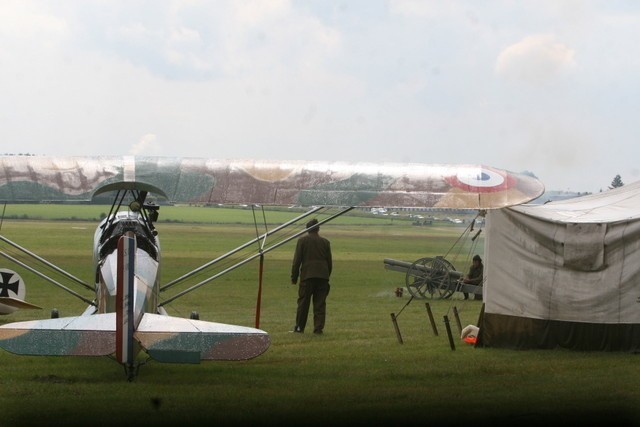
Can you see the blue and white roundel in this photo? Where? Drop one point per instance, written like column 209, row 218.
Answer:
column 486, row 178
column 482, row 180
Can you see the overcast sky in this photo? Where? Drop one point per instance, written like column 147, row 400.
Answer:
column 550, row 87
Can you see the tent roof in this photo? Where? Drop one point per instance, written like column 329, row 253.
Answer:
column 619, row 204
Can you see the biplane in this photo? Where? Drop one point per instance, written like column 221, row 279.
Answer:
column 125, row 315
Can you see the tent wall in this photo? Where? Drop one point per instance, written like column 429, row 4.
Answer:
column 555, row 284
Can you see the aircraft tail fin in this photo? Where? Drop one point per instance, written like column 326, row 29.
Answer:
column 124, row 300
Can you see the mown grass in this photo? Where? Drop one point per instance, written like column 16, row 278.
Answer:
column 356, row 373
column 204, row 215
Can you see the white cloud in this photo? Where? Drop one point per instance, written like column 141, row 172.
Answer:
column 135, row 32
column 24, row 20
column 251, row 13
column 272, row 37
column 421, row 8
column 184, row 36
column 147, row 146
column 536, row 59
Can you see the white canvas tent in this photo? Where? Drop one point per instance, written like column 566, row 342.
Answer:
column 564, row 274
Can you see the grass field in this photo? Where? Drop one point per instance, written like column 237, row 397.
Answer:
column 357, row 373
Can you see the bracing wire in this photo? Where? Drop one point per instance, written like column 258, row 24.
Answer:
column 233, row 263
column 4, row 208
column 458, row 245
column 472, row 247
column 465, row 234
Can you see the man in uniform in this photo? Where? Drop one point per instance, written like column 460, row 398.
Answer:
column 312, row 264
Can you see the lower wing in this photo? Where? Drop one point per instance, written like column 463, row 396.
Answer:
column 17, row 303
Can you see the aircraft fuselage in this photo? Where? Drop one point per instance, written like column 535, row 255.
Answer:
column 147, row 262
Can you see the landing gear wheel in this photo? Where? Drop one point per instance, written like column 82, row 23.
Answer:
column 429, row 278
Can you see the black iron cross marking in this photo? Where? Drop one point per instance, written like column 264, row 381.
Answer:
column 6, row 285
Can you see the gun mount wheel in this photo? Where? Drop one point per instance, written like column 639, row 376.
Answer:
column 429, row 278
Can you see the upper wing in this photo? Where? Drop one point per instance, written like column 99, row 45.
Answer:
column 307, row 183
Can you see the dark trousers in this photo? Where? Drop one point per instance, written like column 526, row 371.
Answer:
column 475, row 296
column 316, row 290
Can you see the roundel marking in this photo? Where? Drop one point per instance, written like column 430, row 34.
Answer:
column 484, row 180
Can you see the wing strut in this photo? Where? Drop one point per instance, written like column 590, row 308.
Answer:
column 250, row 258
column 239, row 248
column 4, row 209
column 261, row 266
column 47, row 278
column 44, row 261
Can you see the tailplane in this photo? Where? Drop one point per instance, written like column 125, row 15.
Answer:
column 66, row 336
column 178, row 340
column 129, row 329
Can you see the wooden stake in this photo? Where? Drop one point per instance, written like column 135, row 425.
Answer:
column 395, row 325
column 455, row 313
column 446, row 324
column 431, row 319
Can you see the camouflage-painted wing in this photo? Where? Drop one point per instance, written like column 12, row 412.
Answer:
column 178, row 340
column 165, row 338
column 306, row 183
column 74, row 336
